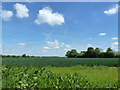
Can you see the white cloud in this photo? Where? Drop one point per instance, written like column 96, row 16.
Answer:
column 22, row 10
column 115, row 38
column 115, row 43
column 46, row 15
column 114, row 46
column 46, row 47
column 67, row 46
column 89, row 45
column 22, row 44
column 112, row 10
column 102, row 34
column 55, row 45
column 6, row 15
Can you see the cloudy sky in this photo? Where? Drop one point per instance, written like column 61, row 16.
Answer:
column 54, row 28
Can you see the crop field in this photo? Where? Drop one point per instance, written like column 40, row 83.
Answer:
column 60, row 73
column 60, row 62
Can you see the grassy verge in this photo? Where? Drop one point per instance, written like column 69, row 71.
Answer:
column 93, row 74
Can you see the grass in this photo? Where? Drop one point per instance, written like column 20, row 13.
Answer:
column 93, row 74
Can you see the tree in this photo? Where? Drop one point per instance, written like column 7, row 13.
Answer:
column 90, row 53
column 101, row 54
column 68, row 54
column 109, row 53
column 109, row 50
column 24, row 55
column 82, row 54
column 73, row 53
column 78, row 55
column 117, row 54
column 97, row 52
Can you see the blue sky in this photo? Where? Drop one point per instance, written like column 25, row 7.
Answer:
column 48, row 29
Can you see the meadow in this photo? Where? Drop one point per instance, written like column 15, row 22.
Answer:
column 60, row 73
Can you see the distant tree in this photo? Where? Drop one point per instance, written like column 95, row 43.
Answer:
column 78, row 55
column 27, row 56
column 109, row 53
column 68, row 54
column 117, row 55
column 18, row 56
column 24, row 55
column 97, row 52
column 3, row 56
column 73, row 53
column 8, row 56
column 101, row 54
column 14, row 56
column 82, row 54
column 93, row 53
column 109, row 50
column 90, row 53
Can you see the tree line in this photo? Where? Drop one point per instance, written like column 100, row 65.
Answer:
column 93, row 53
column 26, row 56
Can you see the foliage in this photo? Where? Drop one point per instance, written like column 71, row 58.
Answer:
column 93, row 53
column 38, row 77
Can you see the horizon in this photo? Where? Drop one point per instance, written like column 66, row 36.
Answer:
column 47, row 29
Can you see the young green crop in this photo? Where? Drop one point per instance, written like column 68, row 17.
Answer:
column 38, row 77
column 60, row 62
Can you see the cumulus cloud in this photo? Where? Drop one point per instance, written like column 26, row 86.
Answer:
column 115, row 43
column 6, row 15
column 112, row 10
column 50, row 46
column 115, row 38
column 46, row 15
column 22, row 44
column 46, row 47
column 102, row 34
column 89, row 45
column 67, row 46
column 21, row 10
column 54, row 44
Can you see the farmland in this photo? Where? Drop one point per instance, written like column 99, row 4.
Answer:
column 60, row 62
column 60, row 73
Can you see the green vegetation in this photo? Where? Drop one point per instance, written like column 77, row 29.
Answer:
column 60, row 62
column 93, row 74
column 59, row 72
column 38, row 77
column 93, row 53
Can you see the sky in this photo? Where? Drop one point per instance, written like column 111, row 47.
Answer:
column 51, row 29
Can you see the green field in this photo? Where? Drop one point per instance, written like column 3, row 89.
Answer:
column 93, row 74
column 60, row 73
column 60, row 62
